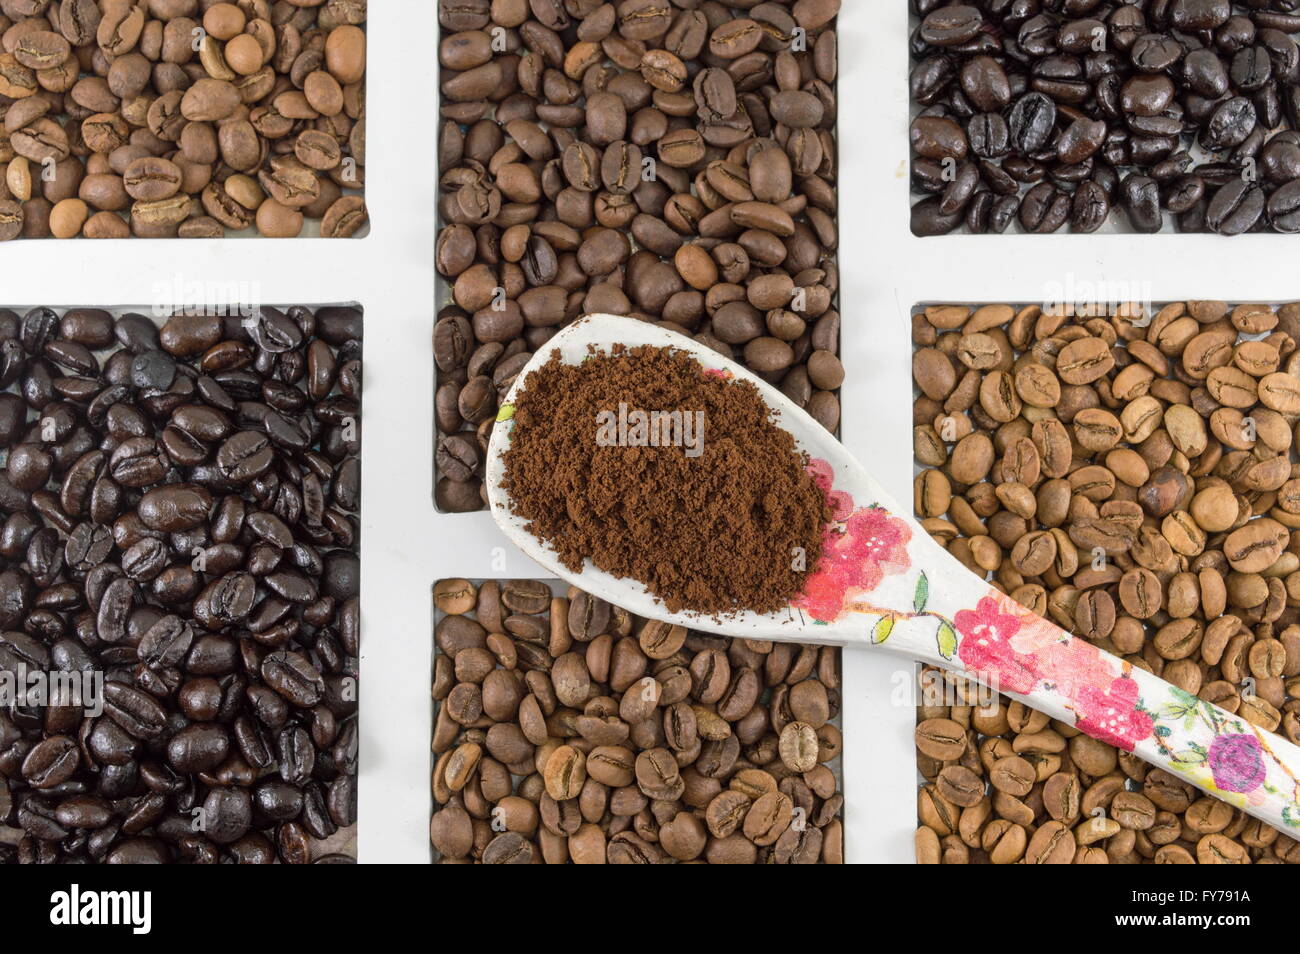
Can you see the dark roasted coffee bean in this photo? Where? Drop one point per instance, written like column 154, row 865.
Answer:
column 1141, row 200
column 1059, row 106
column 150, row 520
column 1235, row 208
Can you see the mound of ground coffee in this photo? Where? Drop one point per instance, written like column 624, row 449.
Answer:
column 658, row 470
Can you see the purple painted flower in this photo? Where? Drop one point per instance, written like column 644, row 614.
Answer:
column 1237, row 763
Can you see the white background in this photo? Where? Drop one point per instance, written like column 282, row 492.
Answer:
column 406, row 545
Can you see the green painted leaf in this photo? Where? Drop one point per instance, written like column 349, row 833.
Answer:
column 1189, row 757
column 1164, row 731
column 947, row 639
column 506, row 413
column 1186, row 698
column 884, row 627
column 922, row 593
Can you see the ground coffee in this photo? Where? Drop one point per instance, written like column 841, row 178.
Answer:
column 662, row 472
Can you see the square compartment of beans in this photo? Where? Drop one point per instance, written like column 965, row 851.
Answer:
column 677, row 165
column 178, row 119
column 181, row 509
column 1106, row 114
column 568, row 730
column 1127, row 471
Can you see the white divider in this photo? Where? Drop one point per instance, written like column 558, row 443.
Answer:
column 879, row 759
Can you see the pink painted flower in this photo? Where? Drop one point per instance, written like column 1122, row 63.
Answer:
column 879, row 540
column 986, row 649
column 841, row 503
column 1237, row 762
column 870, row 545
column 1070, row 665
column 822, row 473
column 1111, row 714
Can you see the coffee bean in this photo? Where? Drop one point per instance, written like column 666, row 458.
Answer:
column 161, row 534
column 455, row 596
column 1063, row 121
column 1134, row 530
column 509, row 848
column 646, row 771
column 295, row 86
column 646, row 161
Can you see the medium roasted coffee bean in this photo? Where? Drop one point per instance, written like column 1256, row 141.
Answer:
column 509, row 848
column 565, row 773
column 263, row 82
column 635, row 741
column 644, row 161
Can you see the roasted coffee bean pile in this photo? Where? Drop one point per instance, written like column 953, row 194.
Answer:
column 1057, row 113
column 568, row 730
column 182, row 118
column 673, row 161
column 1128, row 473
column 180, row 511
column 1003, row 784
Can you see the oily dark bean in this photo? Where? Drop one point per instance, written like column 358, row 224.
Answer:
column 1284, row 208
column 1141, row 200
column 1235, row 208
column 1089, row 208
column 1106, row 88
column 203, row 568
column 294, row 677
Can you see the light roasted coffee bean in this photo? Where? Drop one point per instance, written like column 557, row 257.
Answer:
column 1157, row 523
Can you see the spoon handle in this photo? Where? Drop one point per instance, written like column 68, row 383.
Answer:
column 915, row 598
